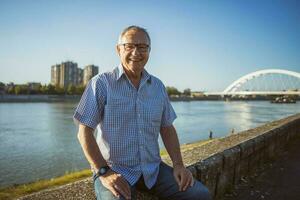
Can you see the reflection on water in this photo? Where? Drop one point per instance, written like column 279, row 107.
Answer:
column 38, row 140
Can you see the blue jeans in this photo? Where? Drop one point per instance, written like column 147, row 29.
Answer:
column 165, row 188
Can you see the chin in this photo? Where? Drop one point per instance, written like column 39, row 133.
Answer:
column 137, row 66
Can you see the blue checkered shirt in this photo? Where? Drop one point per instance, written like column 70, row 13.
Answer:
column 128, row 120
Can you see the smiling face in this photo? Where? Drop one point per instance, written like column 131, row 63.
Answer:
column 134, row 50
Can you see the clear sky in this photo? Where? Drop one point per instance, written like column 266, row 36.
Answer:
column 202, row 45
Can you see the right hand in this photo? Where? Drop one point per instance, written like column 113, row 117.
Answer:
column 116, row 184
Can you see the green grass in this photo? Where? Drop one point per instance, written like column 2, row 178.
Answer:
column 21, row 190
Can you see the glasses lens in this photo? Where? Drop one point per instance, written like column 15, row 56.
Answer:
column 139, row 47
column 143, row 47
column 129, row 47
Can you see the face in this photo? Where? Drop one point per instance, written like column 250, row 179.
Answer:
column 133, row 55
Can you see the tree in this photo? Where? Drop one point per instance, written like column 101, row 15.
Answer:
column 71, row 89
column 43, row 89
column 187, row 92
column 51, row 89
column 2, row 87
column 17, row 89
column 172, row 91
column 21, row 89
column 79, row 89
column 11, row 90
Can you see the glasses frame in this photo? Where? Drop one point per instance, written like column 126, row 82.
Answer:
column 136, row 47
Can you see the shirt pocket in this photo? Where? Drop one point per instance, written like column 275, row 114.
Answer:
column 117, row 111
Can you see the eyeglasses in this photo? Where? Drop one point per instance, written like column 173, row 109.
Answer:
column 140, row 47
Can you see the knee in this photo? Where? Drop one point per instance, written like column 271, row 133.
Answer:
column 200, row 192
column 205, row 194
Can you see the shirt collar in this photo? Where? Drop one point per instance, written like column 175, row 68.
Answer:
column 145, row 75
column 120, row 71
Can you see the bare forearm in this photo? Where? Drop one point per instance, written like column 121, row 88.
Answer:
column 170, row 140
column 90, row 147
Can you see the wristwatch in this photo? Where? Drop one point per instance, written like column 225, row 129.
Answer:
column 102, row 171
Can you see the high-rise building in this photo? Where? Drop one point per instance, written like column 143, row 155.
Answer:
column 55, row 74
column 88, row 72
column 67, row 73
column 79, row 76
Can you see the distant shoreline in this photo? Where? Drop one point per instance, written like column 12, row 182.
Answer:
column 37, row 98
column 71, row 98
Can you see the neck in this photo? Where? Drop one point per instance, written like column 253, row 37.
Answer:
column 134, row 76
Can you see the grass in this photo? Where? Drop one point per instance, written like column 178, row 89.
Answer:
column 25, row 189
column 21, row 190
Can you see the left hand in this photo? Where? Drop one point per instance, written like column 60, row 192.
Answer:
column 183, row 177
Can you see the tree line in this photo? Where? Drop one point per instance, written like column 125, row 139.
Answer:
column 172, row 91
column 42, row 89
column 49, row 89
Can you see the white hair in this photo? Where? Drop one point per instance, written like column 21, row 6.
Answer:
column 137, row 28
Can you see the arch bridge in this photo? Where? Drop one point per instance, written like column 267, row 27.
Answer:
column 266, row 82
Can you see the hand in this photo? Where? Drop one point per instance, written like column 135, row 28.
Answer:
column 183, row 177
column 116, row 184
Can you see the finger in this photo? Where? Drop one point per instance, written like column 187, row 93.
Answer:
column 182, row 181
column 193, row 182
column 177, row 179
column 188, row 182
column 124, row 185
column 114, row 192
column 121, row 191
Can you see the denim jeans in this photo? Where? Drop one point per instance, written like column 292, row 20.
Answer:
column 165, row 188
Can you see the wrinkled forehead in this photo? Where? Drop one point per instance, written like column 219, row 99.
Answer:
column 136, row 37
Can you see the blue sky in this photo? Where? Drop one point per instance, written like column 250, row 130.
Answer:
column 202, row 45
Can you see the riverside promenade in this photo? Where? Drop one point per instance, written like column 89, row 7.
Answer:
column 261, row 163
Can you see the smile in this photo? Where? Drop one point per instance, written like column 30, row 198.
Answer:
column 135, row 60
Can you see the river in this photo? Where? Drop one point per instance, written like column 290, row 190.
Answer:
column 38, row 140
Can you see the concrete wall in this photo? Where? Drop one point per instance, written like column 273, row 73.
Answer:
column 222, row 163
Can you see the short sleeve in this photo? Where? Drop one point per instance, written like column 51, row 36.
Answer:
column 91, row 105
column 168, row 115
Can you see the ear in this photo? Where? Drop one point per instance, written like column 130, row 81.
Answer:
column 118, row 49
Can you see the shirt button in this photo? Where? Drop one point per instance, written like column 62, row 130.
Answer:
column 140, row 131
column 139, row 115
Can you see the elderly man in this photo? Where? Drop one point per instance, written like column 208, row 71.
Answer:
column 130, row 108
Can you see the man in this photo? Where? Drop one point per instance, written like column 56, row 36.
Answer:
column 130, row 108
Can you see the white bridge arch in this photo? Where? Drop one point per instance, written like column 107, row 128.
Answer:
column 232, row 88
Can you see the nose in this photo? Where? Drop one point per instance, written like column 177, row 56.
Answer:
column 135, row 51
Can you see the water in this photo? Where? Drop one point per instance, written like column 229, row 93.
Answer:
column 38, row 140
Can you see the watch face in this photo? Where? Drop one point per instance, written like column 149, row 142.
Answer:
column 103, row 170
